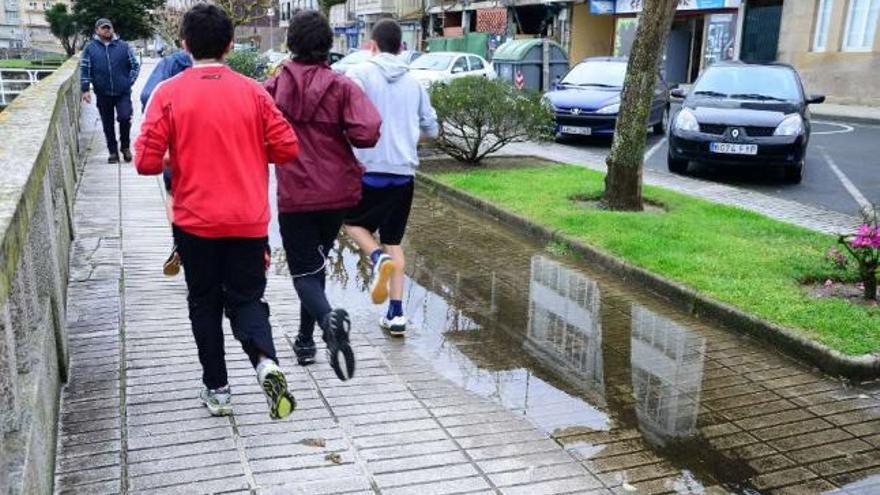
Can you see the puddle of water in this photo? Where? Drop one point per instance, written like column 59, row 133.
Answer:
column 638, row 391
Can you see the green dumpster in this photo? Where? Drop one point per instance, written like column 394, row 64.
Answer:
column 521, row 62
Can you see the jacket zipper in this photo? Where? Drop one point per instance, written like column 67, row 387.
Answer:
column 109, row 69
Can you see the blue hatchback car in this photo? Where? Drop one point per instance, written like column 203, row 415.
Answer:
column 587, row 100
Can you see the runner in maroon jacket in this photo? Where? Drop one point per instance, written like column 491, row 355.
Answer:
column 330, row 114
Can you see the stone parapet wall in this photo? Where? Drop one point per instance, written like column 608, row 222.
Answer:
column 39, row 167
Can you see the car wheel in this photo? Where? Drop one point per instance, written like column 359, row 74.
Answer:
column 794, row 174
column 661, row 127
column 676, row 165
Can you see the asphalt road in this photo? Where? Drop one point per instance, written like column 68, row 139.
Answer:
column 852, row 149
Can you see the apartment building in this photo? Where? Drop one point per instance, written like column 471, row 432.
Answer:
column 835, row 45
column 23, row 25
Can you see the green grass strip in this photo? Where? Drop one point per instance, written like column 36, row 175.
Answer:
column 732, row 255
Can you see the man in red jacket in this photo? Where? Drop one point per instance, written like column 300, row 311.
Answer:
column 330, row 114
column 219, row 155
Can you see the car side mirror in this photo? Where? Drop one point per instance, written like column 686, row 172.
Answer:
column 678, row 93
column 457, row 70
column 815, row 99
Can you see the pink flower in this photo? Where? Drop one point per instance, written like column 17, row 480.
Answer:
column 861, row 241
column 828, row 284
column 865, row 230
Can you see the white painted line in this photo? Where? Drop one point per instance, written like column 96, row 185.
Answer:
column 853, row 191
column 844, row 129
column 654, row 149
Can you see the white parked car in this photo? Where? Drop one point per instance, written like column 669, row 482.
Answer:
column 443, row 67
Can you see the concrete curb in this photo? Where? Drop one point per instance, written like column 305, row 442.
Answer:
column 844, row 119
column 865, row 367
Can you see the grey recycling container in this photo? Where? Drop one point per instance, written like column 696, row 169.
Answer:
column 523, row 59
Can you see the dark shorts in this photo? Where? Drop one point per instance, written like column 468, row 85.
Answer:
column 308, row 238
column 385, row 209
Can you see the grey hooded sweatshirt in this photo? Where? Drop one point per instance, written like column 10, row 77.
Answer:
column 406, row 114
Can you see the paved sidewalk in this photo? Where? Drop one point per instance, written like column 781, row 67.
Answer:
column 819, row 219
column 131, row 422
column 847, row 113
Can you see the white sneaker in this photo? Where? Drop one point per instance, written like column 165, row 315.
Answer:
column 274, row 385
column 396, row 326
column 382, row 271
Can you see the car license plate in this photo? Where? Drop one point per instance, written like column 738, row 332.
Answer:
column 734, row 149
column 570, row 129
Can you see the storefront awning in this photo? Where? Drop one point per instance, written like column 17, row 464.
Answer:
column 610, row 7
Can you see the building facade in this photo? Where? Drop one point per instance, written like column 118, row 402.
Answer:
column 23, row 25
column 835, row 45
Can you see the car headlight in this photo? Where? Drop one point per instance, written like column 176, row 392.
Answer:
column 686, row 121
column 609, row 109
column 546, row 101
column 793, row 125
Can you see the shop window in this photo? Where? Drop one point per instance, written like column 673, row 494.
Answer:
column 861, row 25
column 823, row 21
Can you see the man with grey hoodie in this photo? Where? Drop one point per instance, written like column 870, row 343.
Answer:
column 407, row 118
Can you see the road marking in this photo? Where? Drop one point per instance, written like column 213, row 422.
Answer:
column 844, row 129
column 853, row 191
column 654, row 149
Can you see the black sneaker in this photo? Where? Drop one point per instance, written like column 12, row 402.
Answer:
column 114, row 158
column 339, row 350
column 126, row 154
column 304, row 348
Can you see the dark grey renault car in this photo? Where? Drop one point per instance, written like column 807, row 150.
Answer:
column 740, row 114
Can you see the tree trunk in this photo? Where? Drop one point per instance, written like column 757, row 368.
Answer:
column 623, row 184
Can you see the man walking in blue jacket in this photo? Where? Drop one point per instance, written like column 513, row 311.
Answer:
column 110, row 66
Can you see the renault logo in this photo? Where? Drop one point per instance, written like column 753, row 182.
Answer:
column 734, row 134
column 575, row 111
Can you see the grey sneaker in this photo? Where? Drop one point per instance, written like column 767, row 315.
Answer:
column 274, row 384
column 218, row 401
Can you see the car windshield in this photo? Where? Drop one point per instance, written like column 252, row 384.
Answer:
column 750, row 83
column 432, row 62
column 601, row 74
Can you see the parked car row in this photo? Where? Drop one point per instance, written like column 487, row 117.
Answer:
column 736, row 114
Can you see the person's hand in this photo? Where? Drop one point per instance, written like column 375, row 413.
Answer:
column 87, row 98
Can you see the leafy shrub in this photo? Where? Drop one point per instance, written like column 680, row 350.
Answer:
column 248, row 63
column 479, row 116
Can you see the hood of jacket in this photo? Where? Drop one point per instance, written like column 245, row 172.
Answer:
column 307, row 87
column 391, row 66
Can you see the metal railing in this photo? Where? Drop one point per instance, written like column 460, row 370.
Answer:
column 14, row 81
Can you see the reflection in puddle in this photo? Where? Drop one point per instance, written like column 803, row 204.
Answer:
column 667, row 375
column 611, row 373
column 564, row 322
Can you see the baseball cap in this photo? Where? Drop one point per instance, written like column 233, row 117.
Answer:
column 103, row 22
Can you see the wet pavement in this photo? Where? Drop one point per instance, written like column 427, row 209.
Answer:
column 524, row 372
column 649, row 398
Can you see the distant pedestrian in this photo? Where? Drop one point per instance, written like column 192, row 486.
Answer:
column 330, row 114
column 167, row 68
column 407, row 118
column 219, row 155
column 111, row 67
